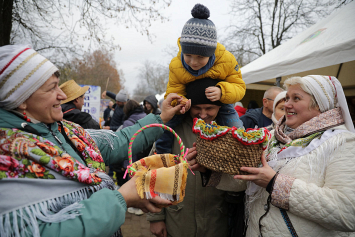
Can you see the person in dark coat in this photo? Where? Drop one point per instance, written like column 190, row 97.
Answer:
column 71, row 107
column 261, row 117
column 118, row 115
column 151, row 105
column 107, row 112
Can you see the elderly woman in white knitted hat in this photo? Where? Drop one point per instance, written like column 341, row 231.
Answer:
column 52, row 171
column 305, row 186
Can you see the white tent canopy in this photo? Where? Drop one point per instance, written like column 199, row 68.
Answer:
column 326, row 48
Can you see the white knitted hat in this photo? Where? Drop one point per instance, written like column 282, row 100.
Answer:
column 22, row 72
column 329, row 94
column 280, row 96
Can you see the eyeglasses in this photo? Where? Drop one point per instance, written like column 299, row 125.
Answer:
column 269, row 99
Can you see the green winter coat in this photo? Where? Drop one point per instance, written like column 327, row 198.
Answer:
column 104, row 211
column 203, row 213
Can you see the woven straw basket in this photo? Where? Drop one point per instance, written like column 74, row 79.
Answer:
column 161, row 175
column 226, row 152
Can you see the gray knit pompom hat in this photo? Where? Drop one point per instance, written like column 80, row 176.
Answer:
column 199, row 35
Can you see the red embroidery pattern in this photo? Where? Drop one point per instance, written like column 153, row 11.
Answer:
column 143, row 163
column 153, row 179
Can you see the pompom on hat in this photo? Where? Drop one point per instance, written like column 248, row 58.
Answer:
column 72, row 90
column 22, row 72
column 199, row 35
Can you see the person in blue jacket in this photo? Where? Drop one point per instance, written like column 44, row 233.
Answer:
column 261, row 117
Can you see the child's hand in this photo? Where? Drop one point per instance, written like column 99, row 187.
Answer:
column 186, row 105
column 213, row 93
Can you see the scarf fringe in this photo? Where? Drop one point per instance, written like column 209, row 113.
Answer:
column 25, row 220
column 162, row 195
column 102, row 136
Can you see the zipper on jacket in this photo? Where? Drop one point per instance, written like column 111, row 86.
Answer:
column 56, row 138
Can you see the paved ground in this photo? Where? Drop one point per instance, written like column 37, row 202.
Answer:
column 136, row 226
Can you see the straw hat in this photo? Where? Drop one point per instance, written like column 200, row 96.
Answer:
column 72, row 90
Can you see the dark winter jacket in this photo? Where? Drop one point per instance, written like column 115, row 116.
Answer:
column 255, row 117
column 151, row 99
column 107, row 113
column 134, row 116
column 71, row 113
column 118, row 115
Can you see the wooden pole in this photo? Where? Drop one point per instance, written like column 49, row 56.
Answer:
column 107, row 83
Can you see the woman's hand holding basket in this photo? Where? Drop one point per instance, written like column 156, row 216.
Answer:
column 260, row 176
column 133, row 199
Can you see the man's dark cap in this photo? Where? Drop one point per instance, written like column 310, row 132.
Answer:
column 196, row 91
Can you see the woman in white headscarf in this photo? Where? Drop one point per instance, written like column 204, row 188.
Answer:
column 278, row 110
column 305, row 186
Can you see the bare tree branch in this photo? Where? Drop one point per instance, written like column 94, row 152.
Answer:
column 265, row 24
column 63, row 27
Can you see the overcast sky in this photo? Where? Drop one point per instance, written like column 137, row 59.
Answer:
column 137, row 48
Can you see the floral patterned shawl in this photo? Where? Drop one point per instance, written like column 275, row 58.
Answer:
column 59, row 182
column 304, row 134
column 25, row 155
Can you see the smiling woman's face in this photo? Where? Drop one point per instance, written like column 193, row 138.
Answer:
column 280, row 110
column 44, row 104
column 297, row 107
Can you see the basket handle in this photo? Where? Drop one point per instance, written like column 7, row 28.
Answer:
column 182, row 147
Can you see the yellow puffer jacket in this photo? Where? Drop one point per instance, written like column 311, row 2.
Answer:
column 224, row 68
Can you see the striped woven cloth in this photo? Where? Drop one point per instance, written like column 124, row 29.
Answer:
column 161, row 175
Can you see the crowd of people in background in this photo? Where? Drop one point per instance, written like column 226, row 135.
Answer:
column 59, row 168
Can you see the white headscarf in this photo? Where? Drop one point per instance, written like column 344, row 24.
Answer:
column 279, row 97
column 22, row 72
column 329, row 94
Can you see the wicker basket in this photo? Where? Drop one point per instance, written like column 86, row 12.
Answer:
column 226, row 153
column 161, row 175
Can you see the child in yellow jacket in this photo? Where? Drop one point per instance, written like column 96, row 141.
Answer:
column 201, row 56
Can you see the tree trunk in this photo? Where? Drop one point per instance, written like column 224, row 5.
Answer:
column 6, row 21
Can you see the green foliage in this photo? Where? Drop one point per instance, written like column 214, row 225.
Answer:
column 3, row 175
column 44, row 160
column 50, row 176
column 31, row 175
column 58, row 149
column 38, row 152
column 25, row 162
